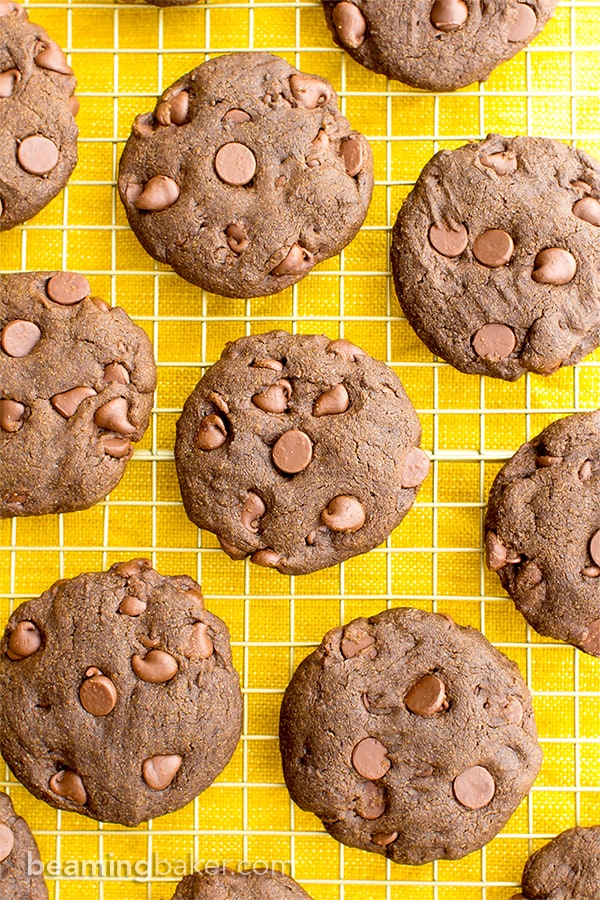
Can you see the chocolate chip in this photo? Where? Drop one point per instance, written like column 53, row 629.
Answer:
column 350, row 24
column 525, row 24
column 297, row 261
column 582, row 186
column 175, row 110
column 513, row 711
column 7, row 840
column 37, row 154
column 156, row 667
column 449, row 242
column 497, row 554
column 585, row 471
column 494, row 341
column 237, row 116
column 69, row 402
column 346, row 349
column 292, row 452
column 199, row 645
column 449, row 15
column 352, row 151
column 24, row 641
column 132, row 567
column 252, row 511
column 19, row 337
column 332, row 402
column 8, row 80
column 310, row 92
column 159, row 193
column 416, row 468
column 74, row 105
column 266, row 557
column 370, row 801
column 384, row 838
column 554, row 266
column 493, row 248
column 503, row 163
column 48, row 55
column 591, row 639
column 344, row 514
column 159, row 771
column 11, row 415
column 588, row 209
column 211, row 433
column 235, row 164
column 544, row 461
column 474, row 788
column 113, row 416
column 594, row 547
column 351, row 647
column 69, row 785
column 370, row 760
column 272, row 364
column 427, row 696
column 115, row 447
column 275, row 398
column 68, row 288
column 237, row 238
column 132, row 606
column 116, row 372
column 97, row 693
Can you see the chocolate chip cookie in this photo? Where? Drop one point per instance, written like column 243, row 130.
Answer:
column 76, row 386
column 19, row 857
column 440, row 45
column 566, row 868
column 120, row 698
column 496, row 256
column 245, row 176
column 247, row 885
column 409, row 736
column 543, row 530
column 298, row 451
column 38, row 138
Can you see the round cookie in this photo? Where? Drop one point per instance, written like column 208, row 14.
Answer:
column 439, row 45
column 19, row 857
column 38, row 139
column 542, row 530
column 76, row 386
column 246, row 885
column 564, row 869
column 243, row 140
column 496, row 256
column 299, row 451
column 409, row 736
column 124, row 703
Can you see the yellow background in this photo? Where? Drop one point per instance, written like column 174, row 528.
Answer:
column 124, row 56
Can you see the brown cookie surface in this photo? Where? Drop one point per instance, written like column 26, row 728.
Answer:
column 38, row 142
column 543, row 530
column 409, row 736
column 124, row 703
column 440, row 45
column 76, row 387
column 496, row 258
column 245, row 176
column 19, row 857
column 564, row 869
column 245, row 885
column 299, row 451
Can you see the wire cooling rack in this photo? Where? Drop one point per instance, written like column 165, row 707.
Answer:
column 124, row 55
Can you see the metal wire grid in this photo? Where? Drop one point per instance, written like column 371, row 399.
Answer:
column 132, row 521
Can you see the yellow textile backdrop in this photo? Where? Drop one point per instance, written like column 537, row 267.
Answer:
column 123, row 56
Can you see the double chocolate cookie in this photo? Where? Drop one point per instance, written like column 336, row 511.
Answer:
column 19, row 857
column 440, row 45
column 76, row 386
column 298, row 451
column 247, row 885
column 245, row 176
column 564, row 869
column 120, row 700
column 409, row 736
column 496, row 256
column 38, row 137
column 543, row 530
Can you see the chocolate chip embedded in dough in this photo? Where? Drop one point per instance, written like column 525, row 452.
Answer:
column 449, row 15
column 116, row 372
column 297, row 261
column 474, row 788
column 24, row 641
column 416, row 468
column 427, row 696
column 115, row 447
column 525, row 24
column 292, row 452
column 113, row 416
column 7, row 841
column 274, row 364
column 159, row 771
column 132, row 567
column 494, row 340
column 590, row 642
column 496, row 552
column 370, row 801
column 310, row 92
column 237, row 238
column 97, row 693
column 74, row 105
column 69, row 402
column 344, row 514
column 493, row 248
column 332, row 402
column 69, row 784
column 8, row 80
column 11, row 415
column 544, row 460
column 554, row 265
column 503, row 163
column 588, row 209
column 275, row 398
column 266, row 557
column 132, row 606
column 37, row 154
column 353, row 154
column 157, row 667
column 48, row 55
column 235, row 164
column 199, row 645
column 19, row 337
column 351, row 647
column 237, row 116
column 350, row 24
column 68, row 288
column 253, row 509
column 450, row 242
column 160, row 192
column 345, row 349
column 370, row 759
column 384, row 838
column 175, row 110
column 594, row 547
column 211, row 433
